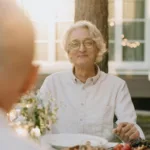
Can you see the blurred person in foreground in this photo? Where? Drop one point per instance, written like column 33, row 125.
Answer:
column 87, row 97
column 17, row 74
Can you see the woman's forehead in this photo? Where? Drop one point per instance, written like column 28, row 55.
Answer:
column 80, row 34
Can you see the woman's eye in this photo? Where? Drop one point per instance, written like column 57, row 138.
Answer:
column 74, row 44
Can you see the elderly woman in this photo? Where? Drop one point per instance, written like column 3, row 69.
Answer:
column 87, row 97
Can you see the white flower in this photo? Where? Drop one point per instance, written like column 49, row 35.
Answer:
column 12, row 115
column 35, row 132
column 20, row 119
column 35, row 114
column 29, row 105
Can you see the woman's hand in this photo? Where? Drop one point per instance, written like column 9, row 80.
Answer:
column 126, row 131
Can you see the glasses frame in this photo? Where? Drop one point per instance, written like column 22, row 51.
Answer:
column 86, row 43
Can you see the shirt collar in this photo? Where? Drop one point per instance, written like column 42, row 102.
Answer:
column 93, row 79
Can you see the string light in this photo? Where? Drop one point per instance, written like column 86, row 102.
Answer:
column 125, row 42
column 112, row 23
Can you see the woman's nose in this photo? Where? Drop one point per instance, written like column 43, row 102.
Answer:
column 82, row 48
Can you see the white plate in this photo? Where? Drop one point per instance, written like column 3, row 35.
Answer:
column 69, row 140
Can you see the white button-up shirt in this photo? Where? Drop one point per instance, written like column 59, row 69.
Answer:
column 9, row 140
column 89, row 107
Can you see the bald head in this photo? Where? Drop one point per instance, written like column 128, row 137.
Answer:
column 16, row 39
column 16, row 47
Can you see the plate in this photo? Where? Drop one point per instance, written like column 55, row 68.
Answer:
column 69, row 140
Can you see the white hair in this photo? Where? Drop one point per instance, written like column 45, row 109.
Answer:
column 94, row 33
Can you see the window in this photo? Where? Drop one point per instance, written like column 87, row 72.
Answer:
column 64, row 18
column 38, row 15
column 61, row 26
column 134, row 29
column 128, row 36
column 42, row 44
column 129, row 28
column 42, row 14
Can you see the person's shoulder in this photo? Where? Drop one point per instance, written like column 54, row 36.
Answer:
column 113, row 78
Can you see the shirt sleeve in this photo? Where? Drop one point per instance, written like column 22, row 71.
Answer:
column 45, row 92
column 125, row 111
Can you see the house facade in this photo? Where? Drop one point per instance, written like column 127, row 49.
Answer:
column 129, row 39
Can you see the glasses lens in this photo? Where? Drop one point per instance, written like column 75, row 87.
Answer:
column 74, row 45
column 88, row 43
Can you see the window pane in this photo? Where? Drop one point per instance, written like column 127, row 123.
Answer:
column 65, row 10
column 133, row 54
column 60, row 53
column 41, row 51
column 111, row 31
column 133, row 9
column 111, row 52
column 37, row 9
column 61, row 27
column 111, row 9
column 41, row 31
column 133, row 30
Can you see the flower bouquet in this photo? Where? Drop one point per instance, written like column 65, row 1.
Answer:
column 33, row 116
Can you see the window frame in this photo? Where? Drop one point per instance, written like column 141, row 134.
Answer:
column 118, row 66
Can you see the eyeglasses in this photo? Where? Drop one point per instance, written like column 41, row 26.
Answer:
column 75, row 44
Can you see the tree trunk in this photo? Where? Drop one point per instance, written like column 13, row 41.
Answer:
column 95, row 11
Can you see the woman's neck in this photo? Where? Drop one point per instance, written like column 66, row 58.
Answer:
column 83, row 73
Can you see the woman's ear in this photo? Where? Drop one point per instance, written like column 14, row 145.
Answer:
column 31, row 79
